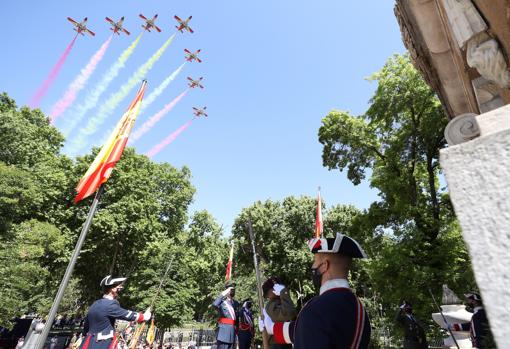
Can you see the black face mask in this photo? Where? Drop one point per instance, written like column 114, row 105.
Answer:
column 232, row 293
column 316, row 276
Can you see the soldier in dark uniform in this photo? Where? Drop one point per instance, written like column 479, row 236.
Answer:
column 246, row 328
column 228, row 309
column 335, row 319
column 100, row 320
column 478, row 328
column 414, row 335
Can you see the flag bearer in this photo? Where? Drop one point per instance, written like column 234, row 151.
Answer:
column 100, row 321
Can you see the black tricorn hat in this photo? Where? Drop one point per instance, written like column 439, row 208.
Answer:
column 474, row 296
column 109, row 282
column 340, row 244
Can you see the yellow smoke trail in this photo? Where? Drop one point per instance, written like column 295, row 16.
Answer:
column 107, row 108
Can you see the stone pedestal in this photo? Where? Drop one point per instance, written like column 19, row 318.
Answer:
column 478, row 177
column 455, row 314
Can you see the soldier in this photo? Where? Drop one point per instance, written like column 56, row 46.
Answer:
column 478, row 328
column 414, row 335
column 100, row 320
column 228, row 322
column 336, row 318
column 246, row 329
column 280, row 307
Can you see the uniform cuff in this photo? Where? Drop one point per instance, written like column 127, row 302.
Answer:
column 140, row 317
column 281, row 333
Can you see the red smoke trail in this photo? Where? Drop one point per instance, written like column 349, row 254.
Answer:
column 147, row 125
column 78, row 83
column 169, row 139
column 36, row 99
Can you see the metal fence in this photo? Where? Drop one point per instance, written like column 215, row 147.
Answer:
column 182, row 338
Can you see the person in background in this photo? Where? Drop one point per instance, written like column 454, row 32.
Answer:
column 246, row 328
column 414, row 335
column 279, row 306
column 228, row 309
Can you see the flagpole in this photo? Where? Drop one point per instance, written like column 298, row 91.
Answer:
column 265, row 339
column 70, row 267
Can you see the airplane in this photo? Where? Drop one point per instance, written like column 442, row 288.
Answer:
column 199, row 112
column 117, row 27
column 194, row 83
column 192, row 56
column 183, row 25
column 81, row 27
column 149, row 23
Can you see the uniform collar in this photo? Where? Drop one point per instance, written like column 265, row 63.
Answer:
column 334, row 283
column 476, row 309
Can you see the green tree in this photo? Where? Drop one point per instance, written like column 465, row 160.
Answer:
column 143, row 202
column 29, row 259
column 410, row 232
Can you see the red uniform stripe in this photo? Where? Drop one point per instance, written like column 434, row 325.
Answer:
column 140, row 317
column 278, row 333
column 86, row 344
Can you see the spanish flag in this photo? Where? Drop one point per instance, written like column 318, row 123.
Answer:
column 228, row 273
column 318, row 217
column 101, row 169
column 151, row 333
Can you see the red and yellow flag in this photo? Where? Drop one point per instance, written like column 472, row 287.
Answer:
column 228, row 274
column 101, row 169
column 318, row 217
column 151, row 333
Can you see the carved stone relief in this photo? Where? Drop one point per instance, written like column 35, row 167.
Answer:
column 464, row 19
column 487, row 58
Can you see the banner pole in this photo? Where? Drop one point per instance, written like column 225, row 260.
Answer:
column 70, row 267
column 265, row 338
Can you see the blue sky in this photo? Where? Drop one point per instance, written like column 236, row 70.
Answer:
column 272, row 70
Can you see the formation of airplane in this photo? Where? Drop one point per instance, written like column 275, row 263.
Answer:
column 183, row 25
column 195, row 83
column 149, row 23
column 190, row 56
column 81, row 27
column 199, row 112
column 117, row 26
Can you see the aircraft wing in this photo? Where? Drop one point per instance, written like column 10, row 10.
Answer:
column 72, row 20
column 90, row 32
column 178, row 19
column 125, row 31
column 157, row 28
column 142, row 17
column 186, row 50
column 110, row 20
column 190, row 30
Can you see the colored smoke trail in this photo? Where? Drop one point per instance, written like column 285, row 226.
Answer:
column 93, row 96
column 78, row 83
column 171, row 137
column 147, row 125
column 159, row 90
column 109, row 106
column 41, row 92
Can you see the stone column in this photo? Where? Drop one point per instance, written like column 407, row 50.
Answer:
column 478, row 175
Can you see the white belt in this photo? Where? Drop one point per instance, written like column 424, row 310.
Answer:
column 101, row 336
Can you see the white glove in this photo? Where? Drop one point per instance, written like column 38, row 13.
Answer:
column 268, row 323
column 147, row 315
column 226, row 292
column 277, row 288
column 261, row 325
